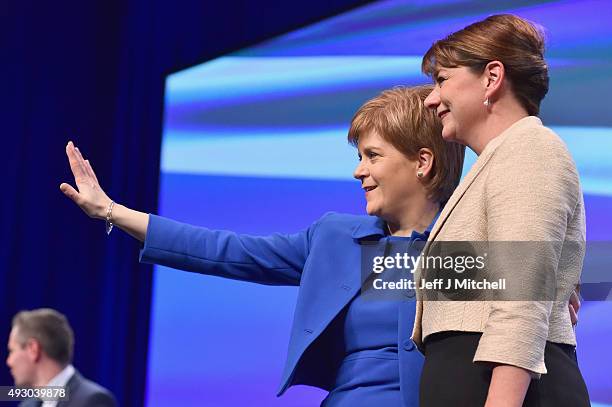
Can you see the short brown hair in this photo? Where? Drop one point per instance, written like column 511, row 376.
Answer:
column 50, row 328
column 512, row 40
column 400, row 117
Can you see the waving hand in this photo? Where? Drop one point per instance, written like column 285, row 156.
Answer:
column 89, row 196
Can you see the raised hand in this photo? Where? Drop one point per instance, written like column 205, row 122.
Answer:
column 89, row 197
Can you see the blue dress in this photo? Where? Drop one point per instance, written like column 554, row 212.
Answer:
column 369, row 374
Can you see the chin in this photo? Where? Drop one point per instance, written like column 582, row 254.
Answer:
column 449, row 132
column 449, row 136
column 22, row 380
column 371, row 211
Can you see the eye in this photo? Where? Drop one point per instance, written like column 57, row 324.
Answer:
column 440, row 80
column 372, row 154
column 359, row 157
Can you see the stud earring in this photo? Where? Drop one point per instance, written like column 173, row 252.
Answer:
column 420, row 174
column 487, row 102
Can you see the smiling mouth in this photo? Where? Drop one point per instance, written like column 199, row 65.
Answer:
column 443, row 113
column 368, row 189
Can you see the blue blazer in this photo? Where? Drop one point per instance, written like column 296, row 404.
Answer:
column 324, row 261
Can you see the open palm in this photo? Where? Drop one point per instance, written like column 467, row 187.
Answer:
column 89, row 196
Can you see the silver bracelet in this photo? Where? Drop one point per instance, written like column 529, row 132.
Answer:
column 109, row 218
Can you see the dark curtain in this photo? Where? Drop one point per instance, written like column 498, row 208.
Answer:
column 93, row 72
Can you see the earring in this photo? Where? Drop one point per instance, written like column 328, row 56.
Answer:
column 420, row 174
column 487, row 102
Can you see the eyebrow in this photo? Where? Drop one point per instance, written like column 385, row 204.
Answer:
column 368, row 149
column 438, row 71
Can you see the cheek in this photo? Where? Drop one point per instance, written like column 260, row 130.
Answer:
column 468, row 106
column 18, row 362
column 401, row 184
column 447, row 96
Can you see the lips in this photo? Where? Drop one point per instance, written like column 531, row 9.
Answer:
column 370, row 188
column 443, row 113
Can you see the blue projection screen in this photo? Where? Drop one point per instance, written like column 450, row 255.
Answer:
column 255, row 142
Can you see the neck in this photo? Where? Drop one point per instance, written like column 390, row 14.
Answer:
column 417, row 217
column 502, row 116
column 47, row 371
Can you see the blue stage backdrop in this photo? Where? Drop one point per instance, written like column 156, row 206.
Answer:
column 255, row 142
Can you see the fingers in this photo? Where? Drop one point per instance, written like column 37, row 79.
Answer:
column 79, row 153
column 573, row 315
column 85, row 171
column 70, row 192
column 87, row 166
column 74, row 159
column 575, row 301
column 574, row 306
column 82, row 162
column 91, row 172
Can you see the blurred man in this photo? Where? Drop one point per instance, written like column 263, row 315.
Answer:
column 40, row 354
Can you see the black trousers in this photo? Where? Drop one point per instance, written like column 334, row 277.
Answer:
column 450, row 378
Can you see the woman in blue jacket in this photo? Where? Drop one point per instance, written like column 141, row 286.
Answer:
column 356, row 348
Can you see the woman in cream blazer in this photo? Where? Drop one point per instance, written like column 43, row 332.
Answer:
column 490, row 79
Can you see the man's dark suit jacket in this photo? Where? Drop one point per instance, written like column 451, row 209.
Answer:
column 82, row 393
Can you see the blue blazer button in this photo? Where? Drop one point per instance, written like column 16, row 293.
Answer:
column 408, row 345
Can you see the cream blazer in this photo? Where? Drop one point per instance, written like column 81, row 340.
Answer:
column 524, row 186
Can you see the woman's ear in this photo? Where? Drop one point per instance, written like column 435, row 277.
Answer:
column 493, row 77
column 425, row 162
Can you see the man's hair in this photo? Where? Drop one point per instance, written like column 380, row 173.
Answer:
column 50, row 328
column 400, row 117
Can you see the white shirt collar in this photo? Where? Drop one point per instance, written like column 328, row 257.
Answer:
column 62, row 377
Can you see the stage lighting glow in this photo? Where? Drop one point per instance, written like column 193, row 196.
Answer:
column 256, row 142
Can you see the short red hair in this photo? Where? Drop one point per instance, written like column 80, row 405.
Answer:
column 400, row 117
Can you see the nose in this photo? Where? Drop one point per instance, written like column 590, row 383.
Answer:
column 361, row 171
column 433, row 99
